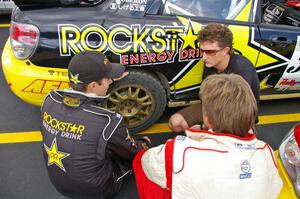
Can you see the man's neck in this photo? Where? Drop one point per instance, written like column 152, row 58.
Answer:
column 221, row 67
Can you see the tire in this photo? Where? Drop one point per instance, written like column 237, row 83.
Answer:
column 139, row 97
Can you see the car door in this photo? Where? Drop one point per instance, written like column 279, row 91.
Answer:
column 186, row 68
column 280, row 38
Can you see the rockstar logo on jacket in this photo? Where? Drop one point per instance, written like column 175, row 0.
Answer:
column 55, row 156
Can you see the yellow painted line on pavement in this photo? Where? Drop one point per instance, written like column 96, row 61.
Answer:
column 4, row 25
column 156, row 128
column 35, row 136
column 19, row 137
column 271, row 119
column 264, row 119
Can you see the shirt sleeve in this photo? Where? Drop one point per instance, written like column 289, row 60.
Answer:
column 251, row 77
column 247, row 75
column 153, row 164
column 122, row 144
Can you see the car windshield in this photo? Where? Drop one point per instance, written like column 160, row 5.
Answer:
column 220, row 9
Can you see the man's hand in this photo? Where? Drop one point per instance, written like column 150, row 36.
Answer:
column 145, row 142
column 147, row 139
column 122, row 76
column 177, row 123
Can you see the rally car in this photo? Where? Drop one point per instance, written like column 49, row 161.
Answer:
column 157, row 42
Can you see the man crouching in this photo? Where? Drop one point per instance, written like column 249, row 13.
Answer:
column 222, row 160
column 87, row 149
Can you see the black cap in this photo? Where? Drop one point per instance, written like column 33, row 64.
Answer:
column 89, row 66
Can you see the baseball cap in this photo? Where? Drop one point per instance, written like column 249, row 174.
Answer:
column 89, row 66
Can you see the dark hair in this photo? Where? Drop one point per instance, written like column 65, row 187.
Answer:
column 78, row 87
column 82, row 86
column 215, row 32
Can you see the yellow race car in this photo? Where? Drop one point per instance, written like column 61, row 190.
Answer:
column 157, row 42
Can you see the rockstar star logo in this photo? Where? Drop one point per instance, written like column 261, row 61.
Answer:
column 55, row 156
column 105, row 61
column 189, row 37
column 73, row 128
column 74, row 79
column 263, row 83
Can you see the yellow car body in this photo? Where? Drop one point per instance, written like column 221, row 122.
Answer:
column 287, row 191
column 30, row 82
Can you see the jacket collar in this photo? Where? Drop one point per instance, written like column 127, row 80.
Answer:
column 79, row 98
column 200, row 134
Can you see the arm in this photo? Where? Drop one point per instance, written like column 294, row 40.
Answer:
column 251, row 77
column 186, row 117
column 153, row 171
column 153, row 164
column 123, row 145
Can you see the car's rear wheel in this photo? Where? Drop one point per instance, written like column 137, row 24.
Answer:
column 139, row 97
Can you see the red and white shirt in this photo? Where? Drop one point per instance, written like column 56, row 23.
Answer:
column 209, row 165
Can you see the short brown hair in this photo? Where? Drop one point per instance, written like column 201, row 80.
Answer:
column 82, row 87
column 215, row 32
column 78, row 87
column 229, row 104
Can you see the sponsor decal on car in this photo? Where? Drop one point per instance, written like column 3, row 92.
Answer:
column 290, row 77
column 143, row 45
column 288, row 82
column 132, row 5
column 43, row 86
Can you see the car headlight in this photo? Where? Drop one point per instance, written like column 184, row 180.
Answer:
column 290, row 156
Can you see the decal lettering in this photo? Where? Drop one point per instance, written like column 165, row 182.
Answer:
column 60, row 128
column 71, row 34
column 132, row 5
column 290, row 78
column 294, row 64
column 95, row 37
column 145, row 58
column 294, row 68
column 139, row 39
column 189, row 54
column 41, row 86
column 136, row 45
column 58, row 73
column 287, row 82
column 118, row 32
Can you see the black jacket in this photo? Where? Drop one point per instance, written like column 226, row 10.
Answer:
column 87, row 149
column 239, row 65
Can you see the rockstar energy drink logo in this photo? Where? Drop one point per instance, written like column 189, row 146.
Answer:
column 55, row 156
column 134, row 44
column 61, row 128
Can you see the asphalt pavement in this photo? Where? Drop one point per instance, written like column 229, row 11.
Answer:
column 23, row 174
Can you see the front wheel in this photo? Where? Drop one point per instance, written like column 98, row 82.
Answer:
column 139, row 97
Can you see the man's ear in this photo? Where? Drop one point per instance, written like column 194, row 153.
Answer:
column 207, row 123
column 226, row 51
column 90, row 87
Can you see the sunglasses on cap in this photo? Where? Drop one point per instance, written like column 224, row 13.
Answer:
column 209, row 52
